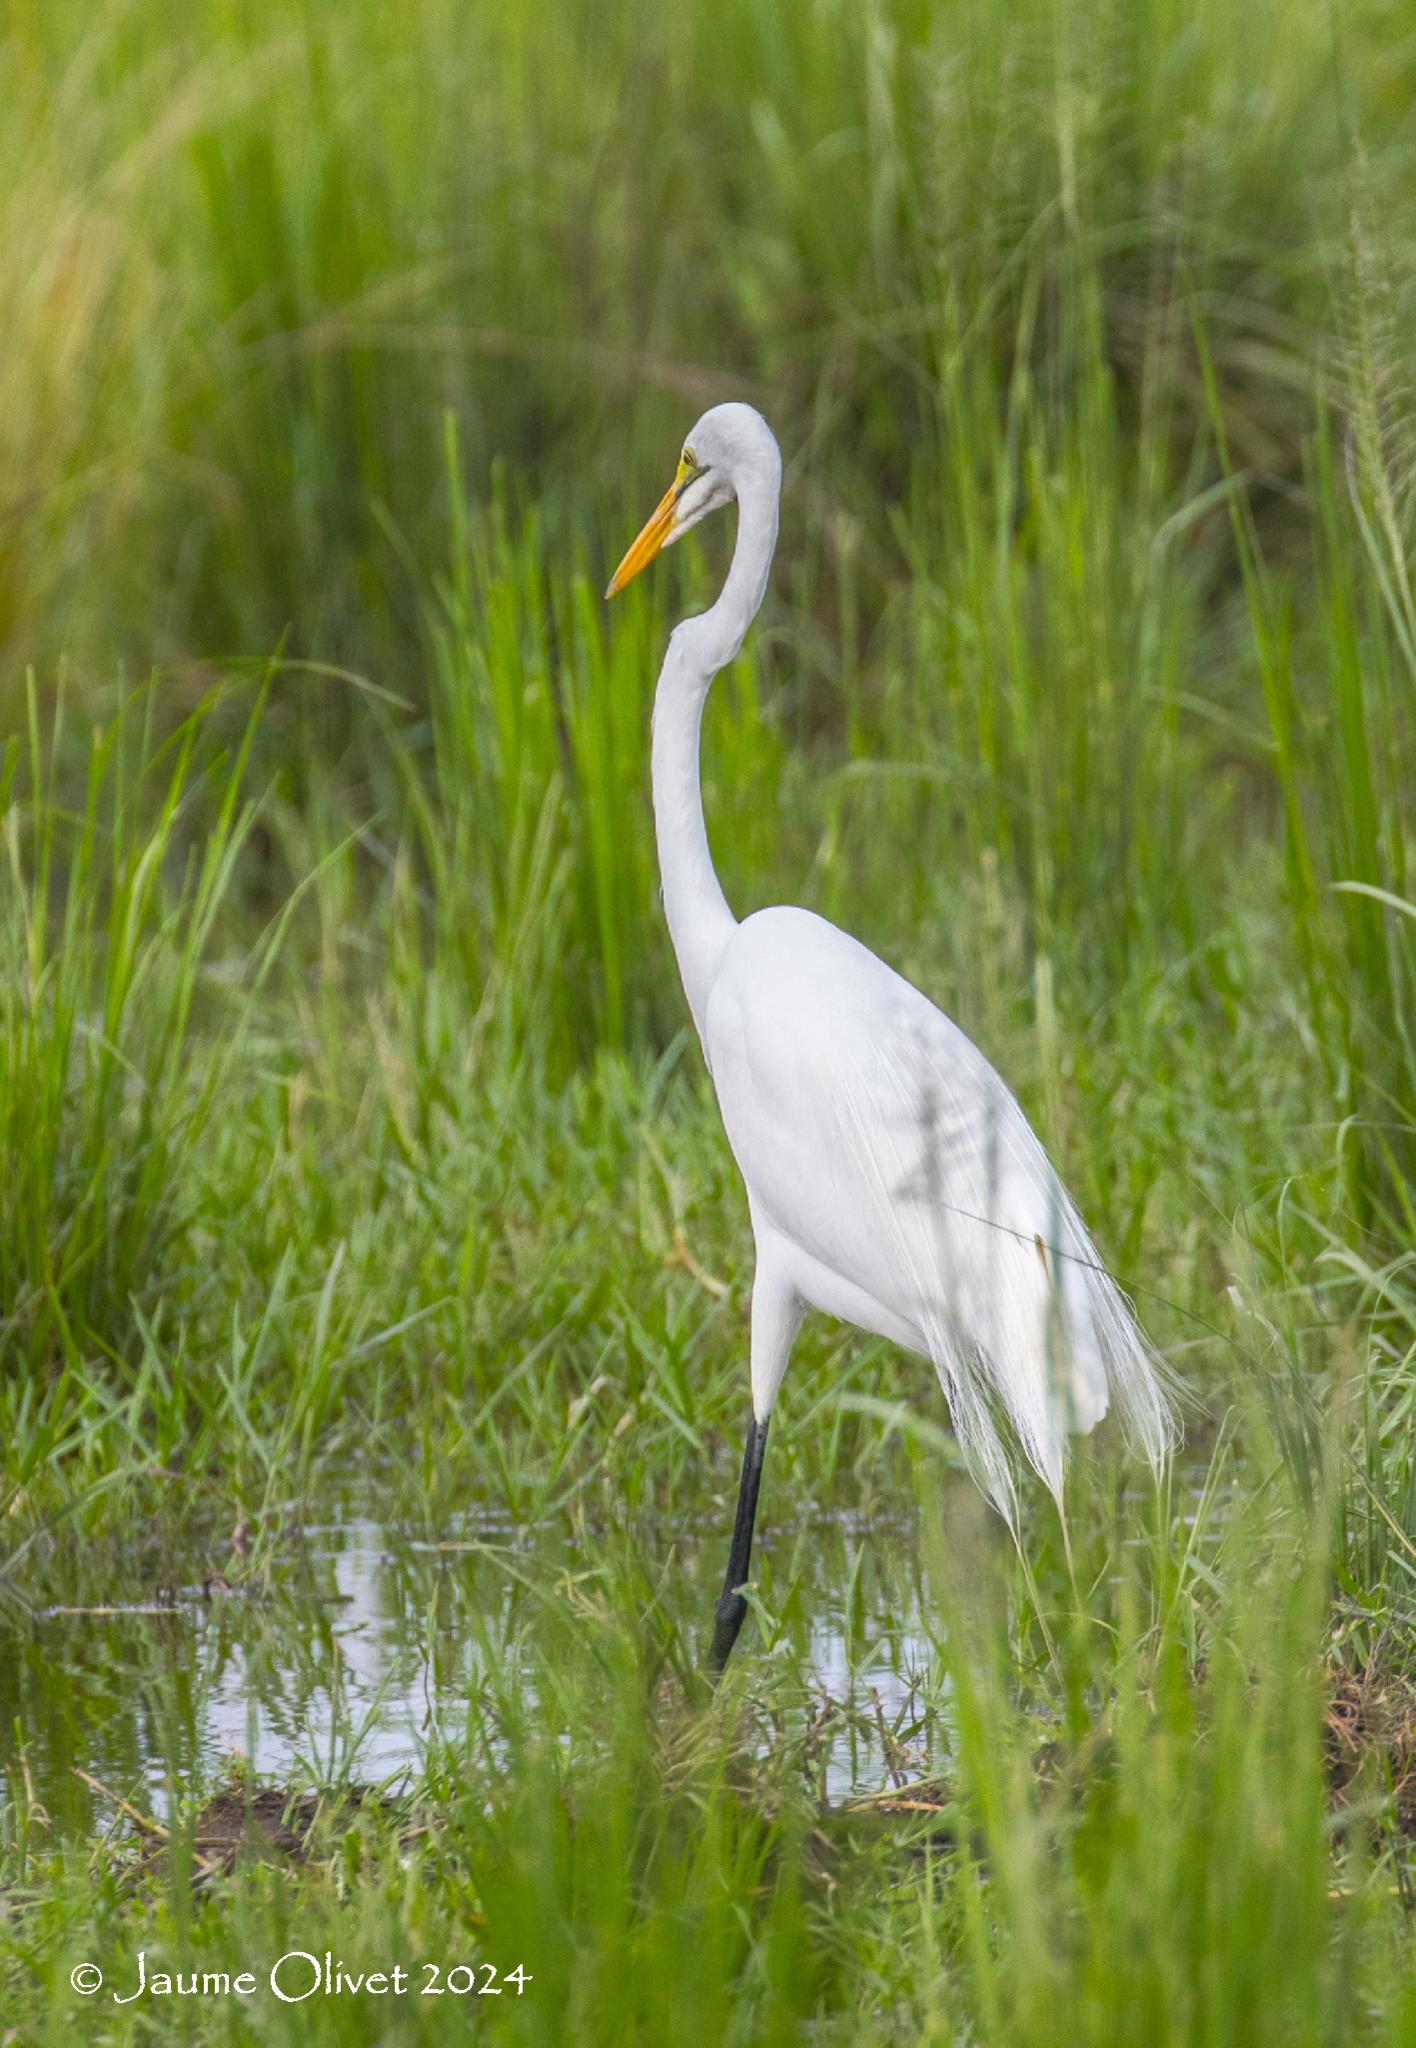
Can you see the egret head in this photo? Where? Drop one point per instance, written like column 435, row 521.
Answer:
column 730, row 445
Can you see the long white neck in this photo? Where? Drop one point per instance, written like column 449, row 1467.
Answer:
column 700, row 922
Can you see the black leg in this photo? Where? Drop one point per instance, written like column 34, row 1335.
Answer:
column 732, row 1607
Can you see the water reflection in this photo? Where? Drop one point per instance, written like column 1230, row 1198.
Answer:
column 369, row 1639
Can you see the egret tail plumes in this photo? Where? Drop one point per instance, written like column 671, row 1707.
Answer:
column 1054, row 1350
column 1032, row 1339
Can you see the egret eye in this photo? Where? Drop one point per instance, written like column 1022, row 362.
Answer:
column 688, row 463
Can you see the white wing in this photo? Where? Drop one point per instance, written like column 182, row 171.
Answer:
column 881, row 1147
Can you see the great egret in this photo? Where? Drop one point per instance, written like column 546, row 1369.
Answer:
column 892, row 1180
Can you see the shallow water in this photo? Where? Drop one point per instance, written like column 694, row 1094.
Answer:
column 362, row 1645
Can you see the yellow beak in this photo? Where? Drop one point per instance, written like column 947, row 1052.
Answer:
column 656, row 529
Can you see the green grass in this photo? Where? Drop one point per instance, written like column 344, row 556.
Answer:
column 353, row 1146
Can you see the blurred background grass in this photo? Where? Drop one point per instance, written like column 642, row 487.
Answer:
column 256, row 251
column 346, row 1115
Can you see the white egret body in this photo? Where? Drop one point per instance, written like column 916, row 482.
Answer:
column 892, row 1178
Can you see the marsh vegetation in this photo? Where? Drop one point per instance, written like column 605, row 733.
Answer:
column 372, row 1307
